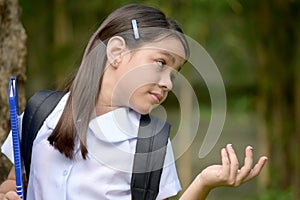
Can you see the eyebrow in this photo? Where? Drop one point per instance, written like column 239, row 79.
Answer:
column 168, row 55
column 172, row 58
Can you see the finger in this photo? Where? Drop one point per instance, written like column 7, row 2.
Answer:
column 246, row 169
column 12, row 195
column 225, row 162
column 257, row 168
column 234, row 164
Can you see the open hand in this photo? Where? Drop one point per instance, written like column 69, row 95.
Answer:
column 229, row 173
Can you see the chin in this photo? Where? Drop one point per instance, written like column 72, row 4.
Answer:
column 143, row 110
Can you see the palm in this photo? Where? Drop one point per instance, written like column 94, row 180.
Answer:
column 229, row 173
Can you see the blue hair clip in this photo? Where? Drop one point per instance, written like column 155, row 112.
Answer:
column 135, row 29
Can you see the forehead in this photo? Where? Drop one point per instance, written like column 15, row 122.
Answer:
column 168, row 45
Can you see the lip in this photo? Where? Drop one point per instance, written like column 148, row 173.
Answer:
column 156, row 97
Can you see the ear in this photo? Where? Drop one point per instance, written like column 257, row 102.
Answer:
column 115, row 47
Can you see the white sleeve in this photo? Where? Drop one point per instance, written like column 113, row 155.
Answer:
column 169, row 183
column 7, row 146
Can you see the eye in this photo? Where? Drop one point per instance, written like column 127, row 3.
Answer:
column 161, row 63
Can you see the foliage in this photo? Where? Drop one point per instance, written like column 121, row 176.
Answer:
column 217, row 25
column 255, row 45
column 276, row 195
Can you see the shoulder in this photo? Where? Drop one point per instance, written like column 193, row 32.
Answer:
column 54, row 116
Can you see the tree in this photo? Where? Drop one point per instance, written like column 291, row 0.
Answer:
column 277, row 32
column 12, row 62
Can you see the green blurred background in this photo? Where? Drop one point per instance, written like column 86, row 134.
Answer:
column 256, row 46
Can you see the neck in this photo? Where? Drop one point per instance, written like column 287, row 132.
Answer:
column 102, row 108
column 104, row 102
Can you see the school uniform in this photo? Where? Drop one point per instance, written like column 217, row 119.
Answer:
column 105, row 174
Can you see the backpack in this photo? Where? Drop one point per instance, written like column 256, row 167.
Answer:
column 147, row 168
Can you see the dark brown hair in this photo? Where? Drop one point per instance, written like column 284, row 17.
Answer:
column 84, row 89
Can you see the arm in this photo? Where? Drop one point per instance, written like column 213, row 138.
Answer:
column 227, row 174
column 8, row 187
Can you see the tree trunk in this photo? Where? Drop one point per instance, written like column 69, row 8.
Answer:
column 62, row 28
column 278, row 48
column 12, row 63
column 297, row 116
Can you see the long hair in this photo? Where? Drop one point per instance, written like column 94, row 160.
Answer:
column 85, row 86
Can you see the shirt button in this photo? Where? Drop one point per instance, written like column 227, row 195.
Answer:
column 65, row 172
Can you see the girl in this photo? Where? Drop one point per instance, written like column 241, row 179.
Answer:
column 126, row 70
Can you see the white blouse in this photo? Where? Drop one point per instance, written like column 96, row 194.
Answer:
column 105, row 174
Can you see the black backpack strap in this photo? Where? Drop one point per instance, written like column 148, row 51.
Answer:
column 39, row 106
column 149, row 157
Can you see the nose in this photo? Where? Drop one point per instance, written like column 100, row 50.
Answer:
column 165, row 82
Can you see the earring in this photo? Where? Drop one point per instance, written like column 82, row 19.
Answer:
column 116, row 62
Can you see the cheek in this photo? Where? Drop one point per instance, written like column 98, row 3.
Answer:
column 138, row 95
column 140, row 75
column 140, row 100
column 134, row 80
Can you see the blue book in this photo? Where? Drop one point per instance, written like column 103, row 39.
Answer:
column 15, row 123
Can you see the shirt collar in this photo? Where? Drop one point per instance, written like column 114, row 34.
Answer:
column 116, row 126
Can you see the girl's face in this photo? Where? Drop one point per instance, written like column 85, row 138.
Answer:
column 145, row 74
